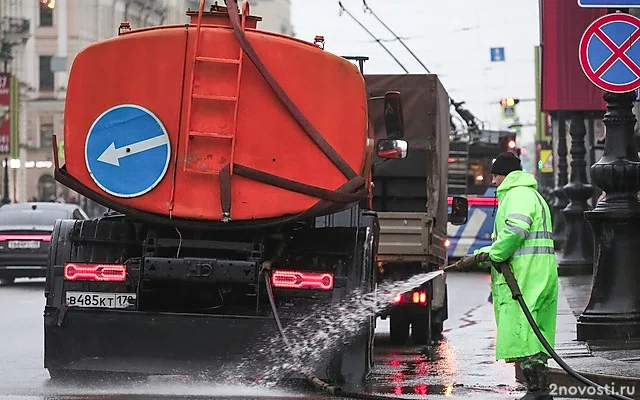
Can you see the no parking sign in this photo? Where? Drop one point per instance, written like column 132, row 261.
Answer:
column 610, row 53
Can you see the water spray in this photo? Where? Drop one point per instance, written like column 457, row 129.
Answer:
column 306, row 372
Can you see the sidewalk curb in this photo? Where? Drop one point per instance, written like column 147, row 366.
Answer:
column 561, row 378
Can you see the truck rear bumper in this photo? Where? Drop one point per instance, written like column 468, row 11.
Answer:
column 157, row 343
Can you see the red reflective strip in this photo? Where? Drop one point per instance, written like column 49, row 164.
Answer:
column 478, row 201
column 95, row 272
column 302, row 280
column 44, row 238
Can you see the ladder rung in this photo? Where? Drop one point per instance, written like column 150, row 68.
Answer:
column 199, row 171
column 213, row 135
column 218, row 60
column 214, row 97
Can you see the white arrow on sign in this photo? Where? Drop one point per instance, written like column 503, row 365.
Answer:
column 112, row 155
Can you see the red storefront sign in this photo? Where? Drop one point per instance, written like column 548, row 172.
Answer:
column 5, row 113
column 564, row 85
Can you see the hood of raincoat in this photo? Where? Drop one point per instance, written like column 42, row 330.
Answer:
column 516, row 178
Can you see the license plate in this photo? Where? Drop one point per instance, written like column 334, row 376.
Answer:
column 100, row 300
column 24, row 244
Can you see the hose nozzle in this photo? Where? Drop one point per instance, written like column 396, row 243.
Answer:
column 470, row 261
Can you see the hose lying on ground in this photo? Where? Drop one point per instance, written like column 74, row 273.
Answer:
column 314, row 380
column 517, row 295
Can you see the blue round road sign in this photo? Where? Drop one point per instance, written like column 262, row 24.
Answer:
column 610, row 53
column 127, row 151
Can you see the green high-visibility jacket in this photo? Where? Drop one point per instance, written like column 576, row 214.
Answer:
column 523, row 237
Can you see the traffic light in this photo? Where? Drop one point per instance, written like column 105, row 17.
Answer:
column 508, row 105
column 509, row 102
column 509, row 143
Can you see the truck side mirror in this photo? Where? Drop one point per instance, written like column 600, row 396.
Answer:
column 392, row 148
column 459, row 211
column 393, row 116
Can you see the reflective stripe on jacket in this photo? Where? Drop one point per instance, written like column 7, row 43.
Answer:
column 523, row 233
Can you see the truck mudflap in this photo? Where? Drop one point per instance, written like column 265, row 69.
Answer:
column 211, row 347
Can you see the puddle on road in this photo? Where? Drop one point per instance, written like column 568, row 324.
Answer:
column 159, row 387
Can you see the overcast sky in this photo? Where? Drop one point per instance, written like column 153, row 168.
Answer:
column 452, row 38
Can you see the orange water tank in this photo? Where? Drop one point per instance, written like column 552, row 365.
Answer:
column 216, row 120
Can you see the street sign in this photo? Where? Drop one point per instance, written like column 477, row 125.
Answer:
column 610, row 53
column 546, row 158
column 508, row 112
column 127, row 151
column 497, row 54
column 609, row 3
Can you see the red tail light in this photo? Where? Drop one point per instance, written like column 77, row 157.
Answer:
column 417, row 297
column 95, row 272
column 423, row 297
column 302, row 280
column 44, row 238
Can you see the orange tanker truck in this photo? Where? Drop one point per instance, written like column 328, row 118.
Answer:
column 233, row 161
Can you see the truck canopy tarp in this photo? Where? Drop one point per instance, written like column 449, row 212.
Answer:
column 417, row 183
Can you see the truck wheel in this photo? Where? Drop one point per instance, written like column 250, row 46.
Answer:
column 420, row 330
column 398, row 329
column 353, row 364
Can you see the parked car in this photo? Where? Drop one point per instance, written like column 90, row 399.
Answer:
column 25, row 233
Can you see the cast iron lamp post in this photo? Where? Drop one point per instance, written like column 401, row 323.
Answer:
column 613, row 310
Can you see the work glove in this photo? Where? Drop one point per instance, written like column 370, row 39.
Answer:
column 473, row 260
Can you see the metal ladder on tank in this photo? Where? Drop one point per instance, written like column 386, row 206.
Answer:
column 226, row 171
column 197, row 59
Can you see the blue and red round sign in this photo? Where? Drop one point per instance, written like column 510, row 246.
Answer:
column 610, row 53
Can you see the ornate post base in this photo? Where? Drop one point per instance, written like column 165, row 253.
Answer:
column 614, row 307
column 613, row 310
column 577, row 254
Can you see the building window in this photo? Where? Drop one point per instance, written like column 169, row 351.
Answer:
column 46, row 12
column 46, row 76
column 46, row 132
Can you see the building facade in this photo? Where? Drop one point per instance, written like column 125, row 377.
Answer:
column 57, row 31
column 42, row 38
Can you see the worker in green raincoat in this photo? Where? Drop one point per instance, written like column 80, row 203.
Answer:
column 523, row 238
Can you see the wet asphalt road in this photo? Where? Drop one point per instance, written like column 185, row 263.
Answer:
column 462, row 365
